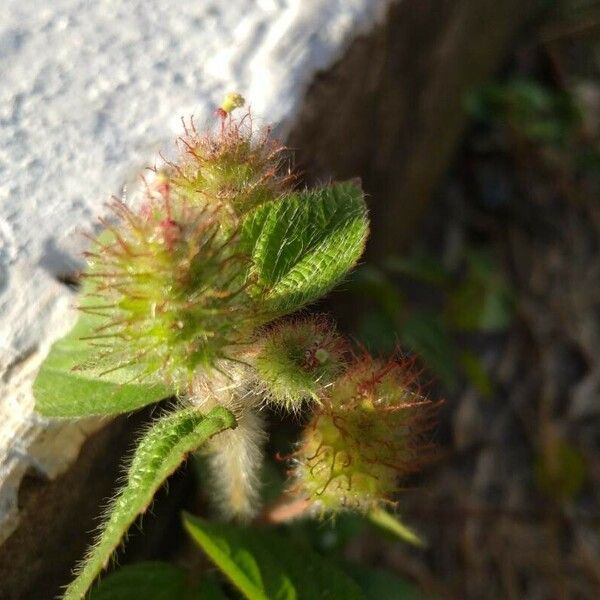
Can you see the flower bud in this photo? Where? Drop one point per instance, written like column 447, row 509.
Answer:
column 367, row 435
column 235, row 169
column 232, row 101
column 170, row 287
column 299, row 360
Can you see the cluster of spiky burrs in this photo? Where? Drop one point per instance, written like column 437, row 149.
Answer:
column 174, row 292
column 172, row 289
column 169, row 278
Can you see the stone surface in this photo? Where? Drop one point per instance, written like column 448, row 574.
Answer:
column 90, row 92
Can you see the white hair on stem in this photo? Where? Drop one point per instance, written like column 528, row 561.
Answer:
column 235, row 456
column 236, row 459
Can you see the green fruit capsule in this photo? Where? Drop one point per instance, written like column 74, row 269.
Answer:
column 169, row 290
column 368, row 433
column 298, row 360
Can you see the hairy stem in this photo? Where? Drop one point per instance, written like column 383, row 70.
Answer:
column 235, row 457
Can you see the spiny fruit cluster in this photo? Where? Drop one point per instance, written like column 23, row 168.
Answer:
column 171, row 288
column 175, row 292
column 234, row 169
column 370, row 421
column 170, row 278
column 368, row 433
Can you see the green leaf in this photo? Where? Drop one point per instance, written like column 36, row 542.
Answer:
column 393, row 526
column 64, row 389
column 476, row 373
column 425, row 335
column 154, row 580
column 265, row 566
column 329, row 537
column 385, row 308
column 379, row 585
column 305, row 243
column 372, row 283
column 420, row 268
column 483, row 302
column 150, row 580
column 160, row 451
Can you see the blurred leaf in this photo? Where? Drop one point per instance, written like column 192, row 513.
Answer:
column 378, row 332
column 392, row 525
column 378, row 328
column 484, row 103
column 421, row 268
column 483, row 302
column 561, row 470
column 154, row 580
column 532, row 110
column 208, row 588
column 476, row 373
column 373, row 283
column 160, row 451
column 425, row 335
column 149, row 580
column 380, row 585
column 328, row 537
column 265, row 566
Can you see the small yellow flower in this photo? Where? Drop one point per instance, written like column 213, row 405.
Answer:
column 232, row 101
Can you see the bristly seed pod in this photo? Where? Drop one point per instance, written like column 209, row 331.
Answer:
column 168, row 279
column 171, row 288
column 299, row 360
column 367, row 435
column 235, row 169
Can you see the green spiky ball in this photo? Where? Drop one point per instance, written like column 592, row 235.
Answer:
column 236, row 169
column 168, row 280
column 298, row 360
column 171, row 289
column 365, row 437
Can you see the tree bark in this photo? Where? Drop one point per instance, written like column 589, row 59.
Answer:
column 391, row 111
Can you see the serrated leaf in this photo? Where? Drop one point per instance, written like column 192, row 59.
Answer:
column 305, row 243
column 265, row 566
column 155, row 580
column 160, row 451
column 64, row 389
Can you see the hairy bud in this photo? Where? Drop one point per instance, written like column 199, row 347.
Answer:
column 171, row 288
column 169, row 278
column 368, row 433
column 299, row 360
column 234, row 169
